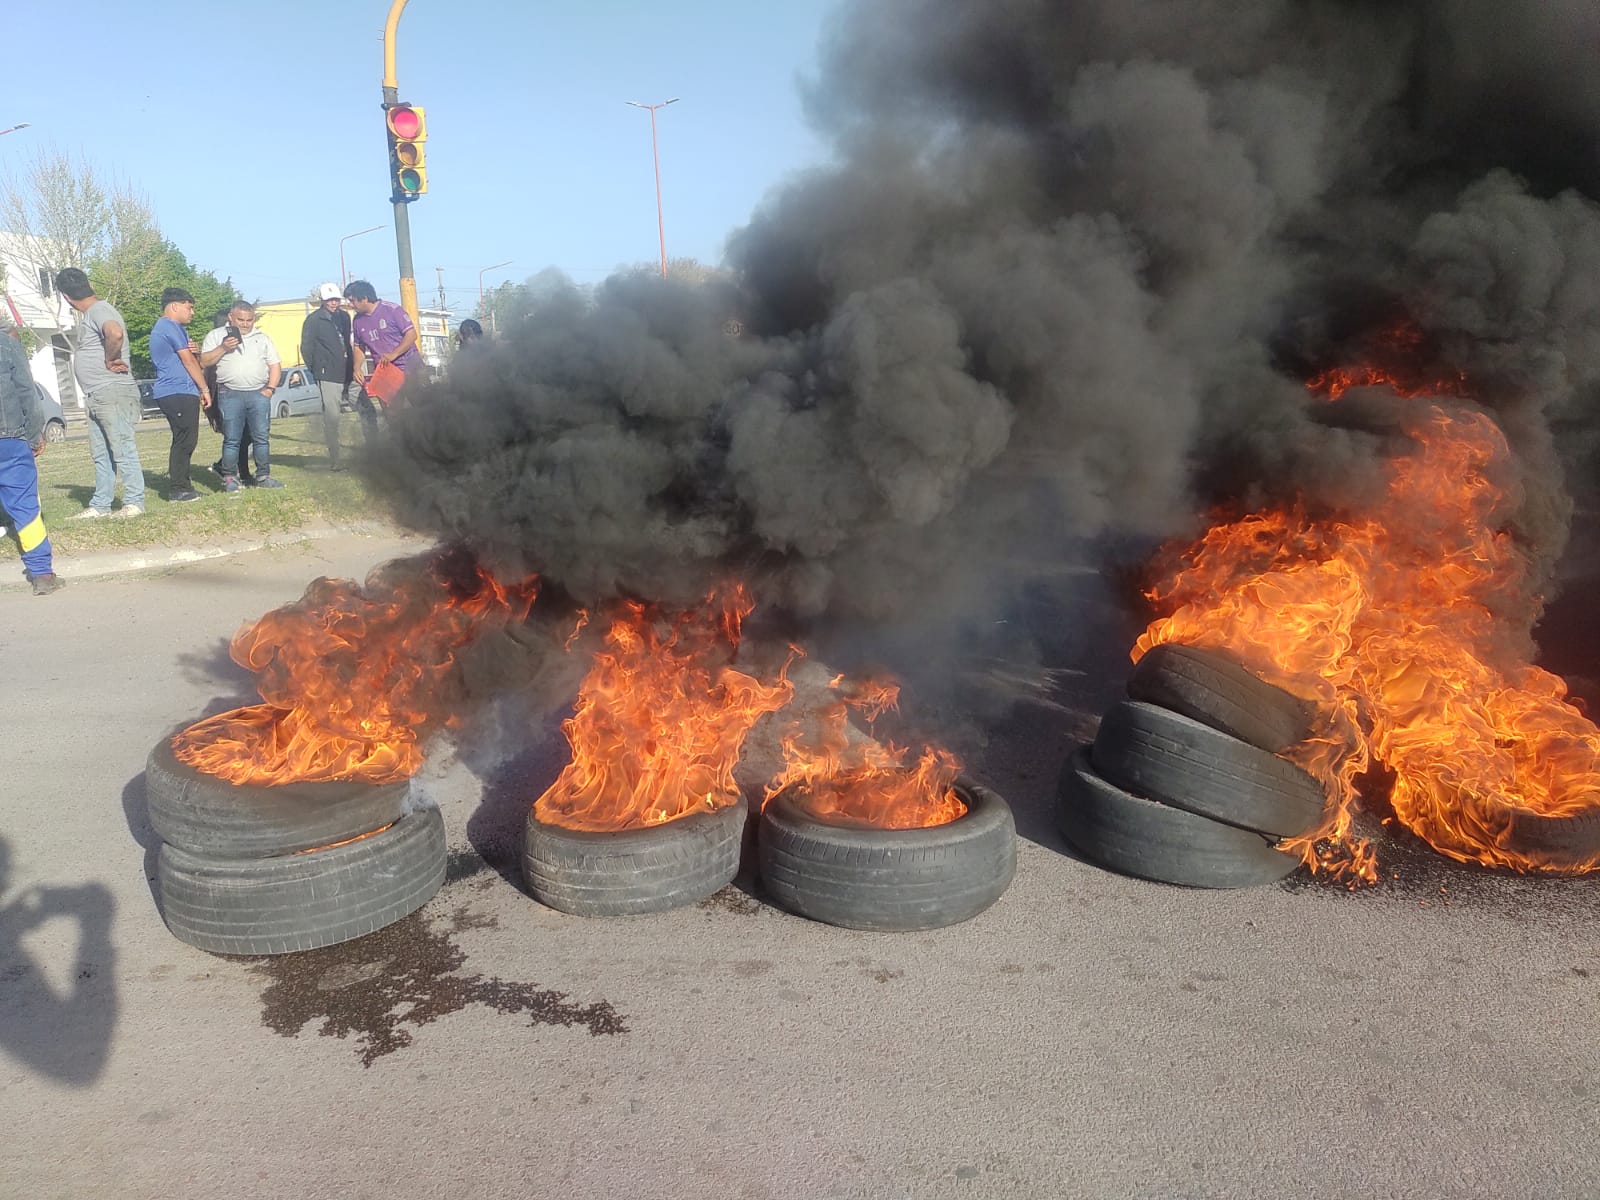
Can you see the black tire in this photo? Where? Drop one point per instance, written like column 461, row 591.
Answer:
column 632, row 871
column 1214, row 689
column 1156, row 841
column 1165, row 756
column 889, row 880
column 210, row 816
column 1570, row 843
column 283, row 411
column 302, row 901
column 55, row 431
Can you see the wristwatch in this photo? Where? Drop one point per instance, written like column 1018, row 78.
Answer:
column 269, row 388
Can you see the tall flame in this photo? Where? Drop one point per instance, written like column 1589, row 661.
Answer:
column 660, row 718
column 860, row 781
column 1388, row 623
column 352, row 676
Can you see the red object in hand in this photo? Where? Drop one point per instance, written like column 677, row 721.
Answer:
column 384, row 382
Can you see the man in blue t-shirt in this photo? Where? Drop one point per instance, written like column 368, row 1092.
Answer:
column 180, row 388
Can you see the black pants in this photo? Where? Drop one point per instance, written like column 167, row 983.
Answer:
column 183, row 414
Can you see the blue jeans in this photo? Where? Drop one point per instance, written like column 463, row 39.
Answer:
column 245, row 413
column 113, row 412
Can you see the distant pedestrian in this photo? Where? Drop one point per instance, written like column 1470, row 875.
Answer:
column 467, row 333
column 180, row 388
column 100, row 363
column 385, row 331
column 248, row 371
column 325, row 348
column 21, row 438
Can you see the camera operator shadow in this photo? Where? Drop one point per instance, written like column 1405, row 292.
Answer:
column 64, row 1035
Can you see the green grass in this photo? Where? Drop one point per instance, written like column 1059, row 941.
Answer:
column 311, row 494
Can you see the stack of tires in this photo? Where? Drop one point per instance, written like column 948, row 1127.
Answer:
column 1183, row 783
column 270, row 870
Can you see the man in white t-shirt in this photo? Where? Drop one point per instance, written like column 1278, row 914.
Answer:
column 248, row 371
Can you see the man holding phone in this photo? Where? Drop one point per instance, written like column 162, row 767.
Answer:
column 248, row 371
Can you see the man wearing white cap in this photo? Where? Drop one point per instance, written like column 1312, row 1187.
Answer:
column 325, row 347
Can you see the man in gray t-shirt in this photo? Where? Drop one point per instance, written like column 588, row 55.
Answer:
column 100, row 364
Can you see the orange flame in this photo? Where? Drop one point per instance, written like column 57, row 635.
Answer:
column 863, row 782
column 1388, row 623
column 351, row 676
column 660, row 719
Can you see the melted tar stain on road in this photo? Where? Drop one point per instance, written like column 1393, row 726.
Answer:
column 382, row 986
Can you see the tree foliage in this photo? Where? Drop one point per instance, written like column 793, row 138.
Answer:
column 77, row 220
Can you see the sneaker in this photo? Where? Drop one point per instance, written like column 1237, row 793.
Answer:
column 182, row 496
column 216, row 467
column 267, row 481
column 89, row 514
column 336, row 466
column 45, row 583
column 230, row 484
column 132, row 510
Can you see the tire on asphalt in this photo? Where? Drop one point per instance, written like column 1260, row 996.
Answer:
column 1215, row 689
column 1165, row 756
column 1144, row 838
column 631, row 871
column 306, row 900
column 209, row 816
column 1567, row 843
column 889, row 879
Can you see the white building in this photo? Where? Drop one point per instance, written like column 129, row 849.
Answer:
column 30, row 301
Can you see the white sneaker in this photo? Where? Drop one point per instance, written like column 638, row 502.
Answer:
column 89, row 514
column 131, row 510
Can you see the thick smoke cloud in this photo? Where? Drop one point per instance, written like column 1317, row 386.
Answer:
column 1063, row 282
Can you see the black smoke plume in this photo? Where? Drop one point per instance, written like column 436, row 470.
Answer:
column 1062, row 283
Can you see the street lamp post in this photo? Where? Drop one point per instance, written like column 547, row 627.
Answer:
column 494, row 267
column 344, row 276
column 14, row 128
column 661, row 225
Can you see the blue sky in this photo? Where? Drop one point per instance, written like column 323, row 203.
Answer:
column 255, row 131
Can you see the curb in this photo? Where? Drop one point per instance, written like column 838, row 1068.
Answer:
column 121, row 562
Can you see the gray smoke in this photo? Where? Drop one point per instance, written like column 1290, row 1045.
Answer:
column 1062, row 286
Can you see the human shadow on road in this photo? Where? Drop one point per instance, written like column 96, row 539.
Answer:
column 65, row 1036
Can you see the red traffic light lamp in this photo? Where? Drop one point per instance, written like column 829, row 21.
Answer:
column 408, row 162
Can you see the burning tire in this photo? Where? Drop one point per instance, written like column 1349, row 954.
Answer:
column 889, row 879
column 205, row 815
column 306, row 900
column 1212, row 688
column 1150, row 840
column 632, row 871
column 1168, row 757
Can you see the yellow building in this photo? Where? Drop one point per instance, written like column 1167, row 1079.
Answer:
column 281, row 320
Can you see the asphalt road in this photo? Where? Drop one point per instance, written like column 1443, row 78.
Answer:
column 1089, row 1036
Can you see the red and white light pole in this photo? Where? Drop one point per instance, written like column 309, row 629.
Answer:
column 14, row 128
column 655, row 156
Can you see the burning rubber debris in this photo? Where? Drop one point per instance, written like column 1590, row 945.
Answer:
column 1057, row 296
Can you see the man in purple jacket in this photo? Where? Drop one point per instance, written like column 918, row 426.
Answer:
column 382, row 329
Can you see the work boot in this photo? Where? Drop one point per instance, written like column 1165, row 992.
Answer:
column 45, row 583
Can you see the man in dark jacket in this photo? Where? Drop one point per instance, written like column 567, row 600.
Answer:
column 325, row 347
column 22, row 437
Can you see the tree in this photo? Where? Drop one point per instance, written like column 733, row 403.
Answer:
column 76, row 220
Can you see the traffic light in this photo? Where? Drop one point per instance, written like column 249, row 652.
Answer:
column 408, row 159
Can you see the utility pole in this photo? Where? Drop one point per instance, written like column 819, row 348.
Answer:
column 661, row 225
column 402, row 217
column 442, row 304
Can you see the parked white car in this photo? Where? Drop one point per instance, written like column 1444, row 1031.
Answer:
column 298, row 394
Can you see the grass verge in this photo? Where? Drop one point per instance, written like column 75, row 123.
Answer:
column 311, row 494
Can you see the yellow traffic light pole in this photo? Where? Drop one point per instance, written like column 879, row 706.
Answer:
column 402, row 218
